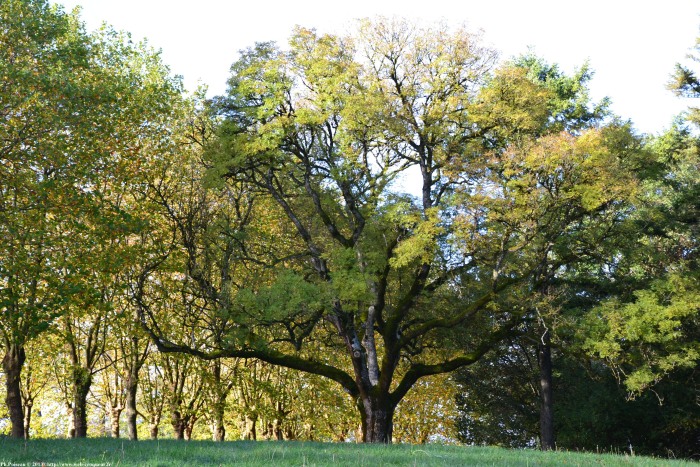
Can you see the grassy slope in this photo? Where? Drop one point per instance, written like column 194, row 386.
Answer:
column 192, row 453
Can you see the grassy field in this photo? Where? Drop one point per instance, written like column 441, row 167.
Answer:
column 112, row 452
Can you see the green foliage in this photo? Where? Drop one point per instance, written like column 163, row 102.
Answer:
column 288, row 296
column 569, row 106
column 684, row 82
column 498, row 403
column 66, row 156
column 497, row 398
column 422, row 245
column 655, row 333
column 594, row 412
column 649, row 329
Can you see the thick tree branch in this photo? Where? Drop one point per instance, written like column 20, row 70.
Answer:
column 420, row 370
column 268, row 355
column 470, row 310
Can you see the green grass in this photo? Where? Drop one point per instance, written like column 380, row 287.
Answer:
column 169, row 453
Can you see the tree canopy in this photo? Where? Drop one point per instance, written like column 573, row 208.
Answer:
column 66, row 161
column 403, row 284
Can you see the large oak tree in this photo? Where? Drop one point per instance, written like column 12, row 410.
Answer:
column 401, row 283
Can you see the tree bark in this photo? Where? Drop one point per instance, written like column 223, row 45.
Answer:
column 70, row 413
column 219, row 430
column 277, row 429
column 114, row 414
column 82, row 380
column 131, row 411
column 178, row 424
column 377, row 415
column 190, row 420
column 546, row 404
column 154, row 426
column 27, row 417
column 220, row 393
column 12, row 365
column 249, row 428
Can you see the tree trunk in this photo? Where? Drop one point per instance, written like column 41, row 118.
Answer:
column 27, row 417
column 219, row 430
column 131, row 411
column 546, row 406
column 12, row 365
column 277, row 429
column 377, row 415
column 178, row 425
column 249, row 431
column 103, row 425
column 289, row 433
column 136, row 361
column 310, row 431
column 280, row 415
column 266, row 431
column 219, row 408
column 154, row 425
column 190, row 420
column 70, row 413
column 82, row 380
column 114, row 414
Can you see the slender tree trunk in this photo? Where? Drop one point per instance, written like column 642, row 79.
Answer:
column 219, row 406
column 114, row 414
column 280, row 415
column 103, row 425
column 12, row 365
column 190, row 420
column 27, row 417
column 546, row 405
column 131, row 411
column 82, row 380
column 289, row 433
column 277, row 429
column 268, row 432
column 154, row 426
column 219, row 430
column 377, row 415
column 136, row 361
column 360, row 431
column 311, row 432
column 70, row 413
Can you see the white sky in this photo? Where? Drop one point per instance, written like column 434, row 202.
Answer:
column 632, row 45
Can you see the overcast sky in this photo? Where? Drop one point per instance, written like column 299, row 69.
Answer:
column 631, row 45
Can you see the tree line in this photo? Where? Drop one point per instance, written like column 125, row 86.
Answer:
column 357, row 218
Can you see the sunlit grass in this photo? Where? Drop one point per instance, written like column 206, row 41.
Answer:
column 166, row 453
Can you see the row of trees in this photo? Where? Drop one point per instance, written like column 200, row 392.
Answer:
column 185, row 398
column 369, row 211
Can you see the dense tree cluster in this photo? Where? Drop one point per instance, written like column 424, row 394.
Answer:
column 313, row 254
